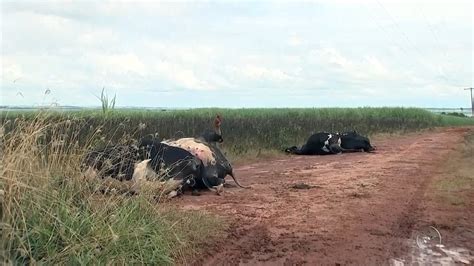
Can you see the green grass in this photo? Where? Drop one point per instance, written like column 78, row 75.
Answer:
column 252, row 131
column 457, row 182
column 63, row 227
column 52, row 214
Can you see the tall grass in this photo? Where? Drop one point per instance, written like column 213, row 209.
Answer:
column 250, row 131
column 107, row 104
column 51, row 215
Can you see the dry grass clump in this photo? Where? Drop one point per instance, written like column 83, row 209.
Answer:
column 50, row 214
column 456, row 183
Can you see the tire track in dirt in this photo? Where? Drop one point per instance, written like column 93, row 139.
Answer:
column 360, row 210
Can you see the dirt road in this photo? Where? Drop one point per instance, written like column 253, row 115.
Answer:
column 359, row 208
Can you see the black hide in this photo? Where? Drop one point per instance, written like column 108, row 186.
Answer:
column 115, row 161
column 352, row 141
column 171, row 162
column 320, row 143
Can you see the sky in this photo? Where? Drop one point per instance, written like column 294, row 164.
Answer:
column 238, row 53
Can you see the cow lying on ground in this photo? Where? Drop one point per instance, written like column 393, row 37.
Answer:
column 353, row 142
column 204, row 147
column 116, row 161
column 321, row 143
column 208, row 176
column 152, row 163
column 180, row 164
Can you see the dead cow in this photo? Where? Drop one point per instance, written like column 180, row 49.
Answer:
column 204, row 147
column 353, row 142
column 159, row 166
column 320, row 143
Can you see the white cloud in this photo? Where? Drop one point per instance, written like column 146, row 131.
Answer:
column 255, row 72
column 120, row 64
column 295, row 41
column 11, row 71
column 253, row 48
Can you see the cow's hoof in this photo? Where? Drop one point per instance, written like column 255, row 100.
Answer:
column 195, row 193
column 219, row 189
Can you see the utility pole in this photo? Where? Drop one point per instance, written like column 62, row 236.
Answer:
column 472, row 101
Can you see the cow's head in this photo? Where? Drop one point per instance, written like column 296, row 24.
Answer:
column 216, row 135
column 210, row 176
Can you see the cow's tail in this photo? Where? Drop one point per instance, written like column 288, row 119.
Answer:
column 237, row 182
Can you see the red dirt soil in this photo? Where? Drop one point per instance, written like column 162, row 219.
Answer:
column 360, row 208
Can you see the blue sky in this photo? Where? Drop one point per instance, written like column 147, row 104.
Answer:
column 238, row 54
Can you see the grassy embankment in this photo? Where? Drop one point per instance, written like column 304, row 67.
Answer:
column 50, row 215
column 455, row 185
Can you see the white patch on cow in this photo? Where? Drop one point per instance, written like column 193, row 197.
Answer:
column 141, row 171
column 196, row 148
column 142, row 174
column 146, row 180
column 326, row 144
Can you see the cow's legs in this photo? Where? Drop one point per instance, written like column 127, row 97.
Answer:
column 172, row 194
column 219, row 189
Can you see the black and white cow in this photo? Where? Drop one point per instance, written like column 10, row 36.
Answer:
column 320, row 143
column 152, row 163
column 353, row 142
column 113, row 161
column 204, row 147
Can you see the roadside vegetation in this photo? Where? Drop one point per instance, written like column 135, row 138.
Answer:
column 251, row 131
column 107, row 104
column 448, row 205
column 454, row 114
column 456, row 186
column 50, row 214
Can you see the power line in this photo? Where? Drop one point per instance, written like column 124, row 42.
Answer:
column 390, row 38
column 420, row 57
column 438, row 42
column 399, row 28
column 430, row 28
